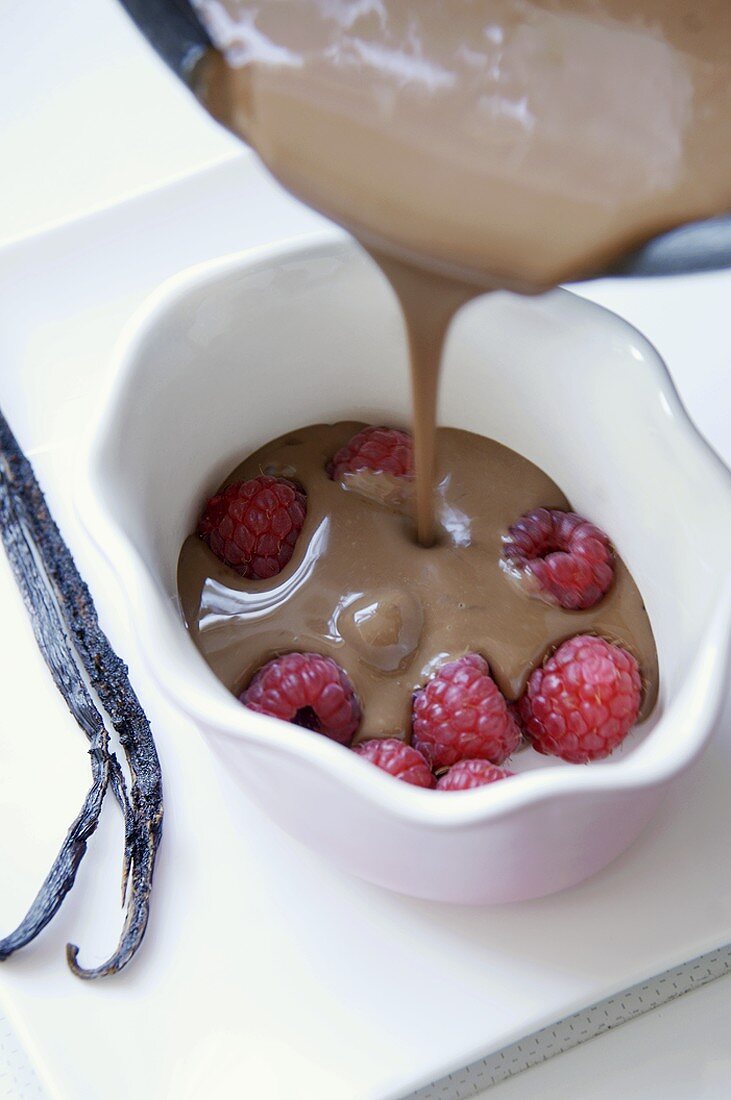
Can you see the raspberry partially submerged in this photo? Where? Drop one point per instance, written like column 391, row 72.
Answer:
column 461, row 714
column 252, row 526
column 400, row 760
column 471, row 773
column 583, row 701
column 560, row 558
column 381, row 450
column 307, row 690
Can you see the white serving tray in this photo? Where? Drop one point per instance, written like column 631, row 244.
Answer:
column 266, row 972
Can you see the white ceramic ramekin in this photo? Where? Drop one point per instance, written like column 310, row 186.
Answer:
column 234, row 352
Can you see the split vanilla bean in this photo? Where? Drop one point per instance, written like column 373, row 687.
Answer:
column 75, row 649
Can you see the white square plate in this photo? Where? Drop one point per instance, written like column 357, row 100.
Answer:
column 265, row 972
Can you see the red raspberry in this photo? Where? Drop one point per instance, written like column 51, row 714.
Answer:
column 398, row 759
column 384, row 450
column 581, row 704
column 461, row 715
column 307, row 690
column 560, row 558
column 253, row 525
column 471, row 773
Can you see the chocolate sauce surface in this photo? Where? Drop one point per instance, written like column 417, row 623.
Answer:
column 360, row 589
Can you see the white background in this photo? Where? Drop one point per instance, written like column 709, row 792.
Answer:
column 87, row 117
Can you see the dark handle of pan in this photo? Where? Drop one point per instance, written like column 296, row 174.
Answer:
column 697, row 246
column 174, row 30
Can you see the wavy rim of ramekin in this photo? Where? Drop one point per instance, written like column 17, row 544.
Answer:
column 204, row 699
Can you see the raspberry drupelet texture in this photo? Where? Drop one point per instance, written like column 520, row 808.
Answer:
column 461, row 714
column 583, row 701
column 400, row 760
column 471, row 773
column 307, row 690
column 560, row 558
column 382, row 450
column 253, row 525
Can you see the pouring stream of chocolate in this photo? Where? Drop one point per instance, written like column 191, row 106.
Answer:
column 428, row 302
column 480, row 143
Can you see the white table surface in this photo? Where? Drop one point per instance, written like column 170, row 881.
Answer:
column 87, row 117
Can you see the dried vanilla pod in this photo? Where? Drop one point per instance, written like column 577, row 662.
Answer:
column 67, row 630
